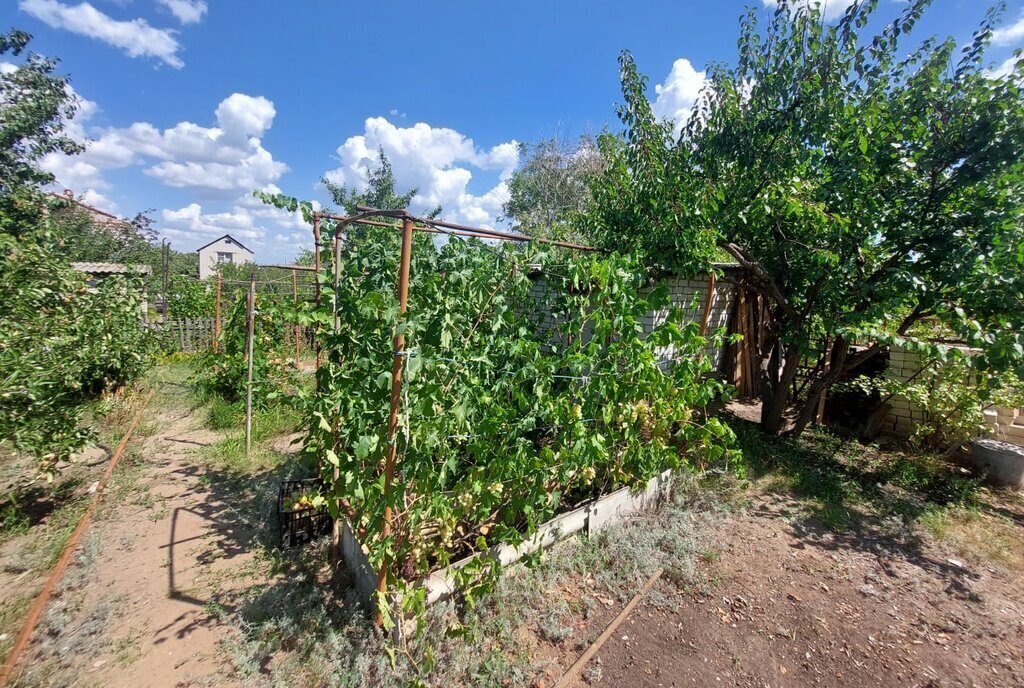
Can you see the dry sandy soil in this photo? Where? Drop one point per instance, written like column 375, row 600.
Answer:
column 793, row 603
column 132, row 610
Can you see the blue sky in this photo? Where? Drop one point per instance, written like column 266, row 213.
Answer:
column 188, row 105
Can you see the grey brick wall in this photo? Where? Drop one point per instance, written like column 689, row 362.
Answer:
column 682, row 293
column 1007, row 424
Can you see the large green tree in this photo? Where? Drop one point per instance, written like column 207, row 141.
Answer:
column 61, row 343
column 552, row 186
column 871, row 191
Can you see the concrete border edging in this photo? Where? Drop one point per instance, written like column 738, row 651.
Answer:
column 592, row 517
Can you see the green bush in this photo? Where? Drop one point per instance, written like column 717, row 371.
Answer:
column 61, row 342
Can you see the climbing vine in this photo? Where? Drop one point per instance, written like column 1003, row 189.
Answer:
column 531, row 385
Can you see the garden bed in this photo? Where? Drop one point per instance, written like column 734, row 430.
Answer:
column 441, row 584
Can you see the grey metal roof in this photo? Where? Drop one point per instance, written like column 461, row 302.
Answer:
column 226, row 236
column 111, row 268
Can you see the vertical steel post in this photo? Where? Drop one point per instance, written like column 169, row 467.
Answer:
column 335, row 420
column 250, row 334
column 216, row 315
column 295, row 303
column 397, row 364
column 316, row 265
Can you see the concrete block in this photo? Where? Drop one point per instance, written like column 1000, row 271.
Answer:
column 1003, row 462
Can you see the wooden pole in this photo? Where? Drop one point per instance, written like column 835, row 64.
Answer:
column 295, row 301
column 397, row 364
column 166, row 255
column 601, row 639
column 250, row 333
column 216, row 314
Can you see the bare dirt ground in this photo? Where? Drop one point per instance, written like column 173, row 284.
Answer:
column 133, row 609
column 793, row 603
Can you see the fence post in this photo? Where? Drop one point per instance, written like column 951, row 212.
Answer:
column 250, row 331
column 216, row 314
column 295, row 303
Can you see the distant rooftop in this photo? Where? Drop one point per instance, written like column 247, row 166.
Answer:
column 112, row 268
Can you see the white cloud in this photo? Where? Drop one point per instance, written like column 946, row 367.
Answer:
column 136, row 37
column 1006, row 68
column 1008, row 35
column 98, row 200
column 218, row 161
column 679, row 92
column 435, row 160
column 186, row 11
column 830, row 9
column 248, row 220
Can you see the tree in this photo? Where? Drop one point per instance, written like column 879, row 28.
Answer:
column 552, row 186
column 61, row 343
column 870, row 191
column 380, row 191
column 112, row 241
column 36, row 103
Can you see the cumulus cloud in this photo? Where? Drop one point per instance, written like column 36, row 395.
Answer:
column 1009, row 35
column 135, row 37
column 1006, row 68
column 830, row 9
column 248, row 220
column 436, row 160
column 678, row 93
column 216, row 161
column 186, row 11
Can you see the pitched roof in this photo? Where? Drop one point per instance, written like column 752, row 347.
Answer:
column 111, row 268
column 69, row 196
column 226, row 236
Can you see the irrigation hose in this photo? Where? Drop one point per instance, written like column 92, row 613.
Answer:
column 39, row 605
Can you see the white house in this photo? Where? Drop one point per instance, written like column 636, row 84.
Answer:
column 227, row 249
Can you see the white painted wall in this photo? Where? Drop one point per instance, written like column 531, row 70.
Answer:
column 208, row 255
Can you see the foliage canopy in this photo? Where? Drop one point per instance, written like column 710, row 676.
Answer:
column 871, row 191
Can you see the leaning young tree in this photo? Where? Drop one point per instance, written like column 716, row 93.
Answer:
column 870, row 191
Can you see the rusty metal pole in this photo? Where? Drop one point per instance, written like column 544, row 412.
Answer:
column 295, row 303
column 316, row 284
column 250, row 335
column 397, row 364
column 336, row 421
column 216, row 315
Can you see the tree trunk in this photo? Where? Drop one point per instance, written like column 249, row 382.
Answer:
column 775, row 386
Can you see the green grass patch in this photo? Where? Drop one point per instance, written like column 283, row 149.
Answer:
column 844, row 479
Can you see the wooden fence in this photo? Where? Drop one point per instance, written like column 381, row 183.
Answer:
column 185, row 334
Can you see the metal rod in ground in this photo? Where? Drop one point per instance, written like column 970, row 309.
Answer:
column 249, row 336
column 316, row 284
column 36, row 611
column 295, row 302
column 601, row 639
column 397, row 362
column 216, row 315
column 336, row 529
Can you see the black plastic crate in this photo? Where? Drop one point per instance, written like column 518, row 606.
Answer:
column 300, row 525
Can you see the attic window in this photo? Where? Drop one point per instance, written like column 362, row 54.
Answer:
column 225, row 257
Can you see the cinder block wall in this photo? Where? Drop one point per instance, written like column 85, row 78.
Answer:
column 1007, row 424
column 681, row 294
